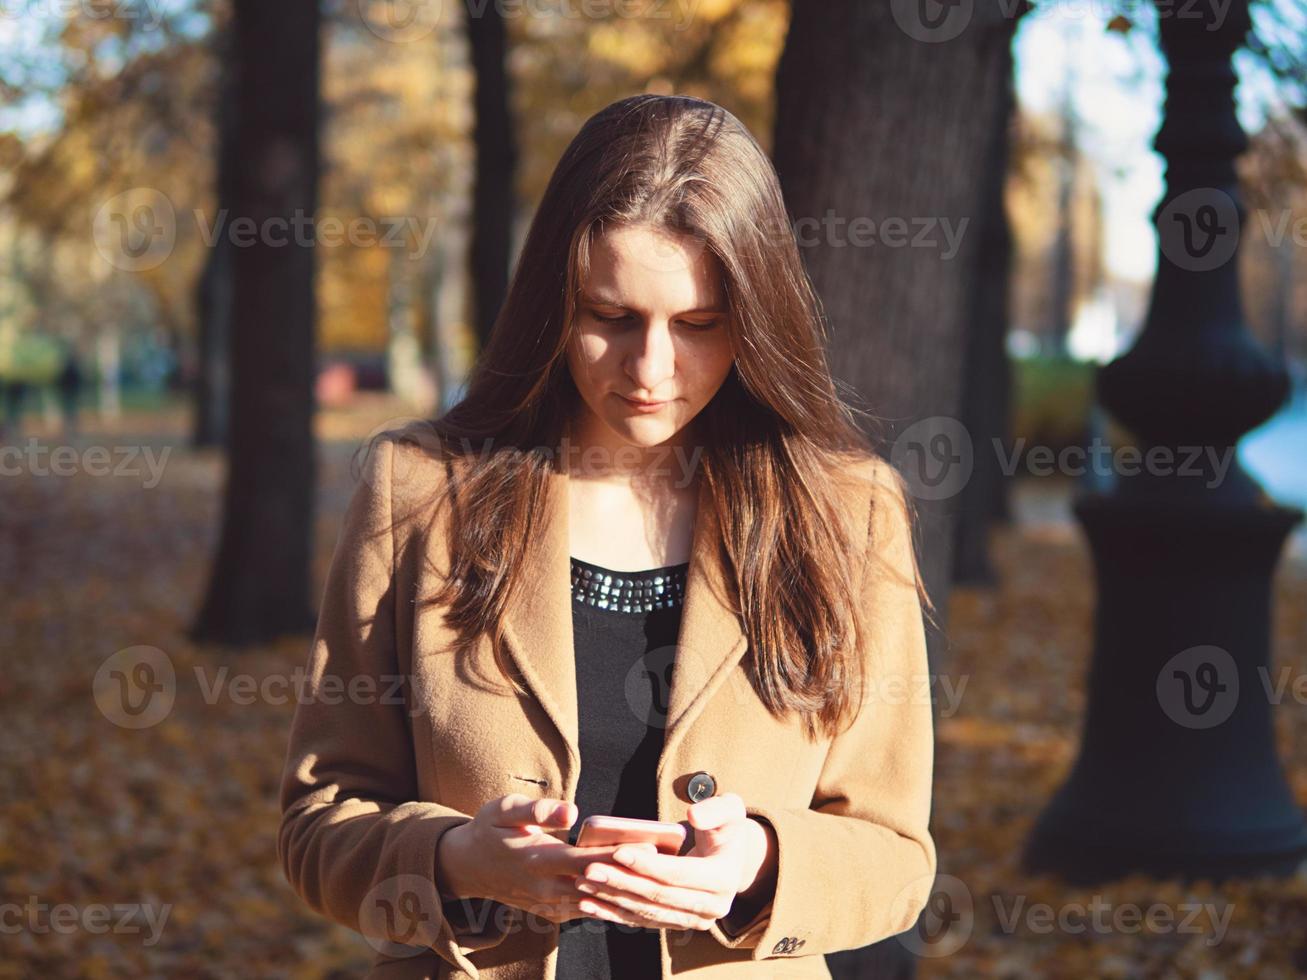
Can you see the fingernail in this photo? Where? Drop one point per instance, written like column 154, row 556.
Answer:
column 560, row 811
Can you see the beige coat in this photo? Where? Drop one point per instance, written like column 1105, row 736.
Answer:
column 395, row 741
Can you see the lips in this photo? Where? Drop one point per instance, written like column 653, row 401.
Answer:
column 644, row 406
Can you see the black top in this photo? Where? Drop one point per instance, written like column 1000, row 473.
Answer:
column 625, row 626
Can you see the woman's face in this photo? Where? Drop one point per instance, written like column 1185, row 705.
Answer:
column 651, row 327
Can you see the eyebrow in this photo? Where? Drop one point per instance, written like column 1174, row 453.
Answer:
column 606, row 301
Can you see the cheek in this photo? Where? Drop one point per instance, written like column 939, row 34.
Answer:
column 709, row 364
column 585, row 357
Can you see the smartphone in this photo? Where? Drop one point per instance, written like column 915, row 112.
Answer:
column 604, row 831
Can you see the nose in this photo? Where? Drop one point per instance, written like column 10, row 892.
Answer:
column 652, row 359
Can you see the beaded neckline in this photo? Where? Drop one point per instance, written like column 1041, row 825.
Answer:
column 642, row 591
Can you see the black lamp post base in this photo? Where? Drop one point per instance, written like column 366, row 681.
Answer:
column 1177, row 774
column 1082, row 854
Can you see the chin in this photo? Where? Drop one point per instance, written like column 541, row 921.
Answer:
column 645, row 436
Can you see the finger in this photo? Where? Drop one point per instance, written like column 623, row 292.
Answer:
column 559, row 858
column 642, row 893
column 686, row 870
column 619, row 907
column 675, row 889
column 519, row 810
column 716, row 811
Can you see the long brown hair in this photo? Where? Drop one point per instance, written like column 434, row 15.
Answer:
column 777, row 437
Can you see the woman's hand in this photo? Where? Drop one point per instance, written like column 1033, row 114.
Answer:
column 504, row 853
column 732, row 854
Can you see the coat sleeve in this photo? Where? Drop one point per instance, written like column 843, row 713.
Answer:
column 858, row 864
column 355, row 842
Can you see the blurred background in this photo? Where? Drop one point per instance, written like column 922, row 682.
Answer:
column 237, row 238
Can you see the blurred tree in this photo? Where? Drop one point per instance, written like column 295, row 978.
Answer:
column 124, row 142
column 880, row 116
column 1056, row 212
column 1273, row 263
column 259, row 584
column 986, row 377
column 213, row 294
column 496, row 165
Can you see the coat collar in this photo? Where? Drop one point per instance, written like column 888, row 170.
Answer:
column 538, row 625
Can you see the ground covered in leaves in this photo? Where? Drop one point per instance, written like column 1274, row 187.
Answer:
column 151, row 852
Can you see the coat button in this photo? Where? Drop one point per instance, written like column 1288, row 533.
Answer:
column 701, row 786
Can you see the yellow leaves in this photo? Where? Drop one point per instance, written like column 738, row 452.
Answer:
column 97, row 967
column 625, row 45
column 179, row 818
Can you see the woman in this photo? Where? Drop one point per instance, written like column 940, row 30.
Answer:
column 648, row 566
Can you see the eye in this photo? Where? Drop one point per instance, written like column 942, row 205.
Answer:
column 612, row 319
column 697, row 325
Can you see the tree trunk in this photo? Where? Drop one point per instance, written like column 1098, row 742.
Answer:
column 987, row 377
column 496, row 163
column 212, row 390
column 880, row 119
column 213, row 292
column 259, row 587
column 1062, row 258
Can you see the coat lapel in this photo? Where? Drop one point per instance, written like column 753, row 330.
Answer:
column 538, row 625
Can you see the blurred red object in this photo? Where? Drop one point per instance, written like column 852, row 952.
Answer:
column 335, row 385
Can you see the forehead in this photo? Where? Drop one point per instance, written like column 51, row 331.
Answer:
column 642, row 267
